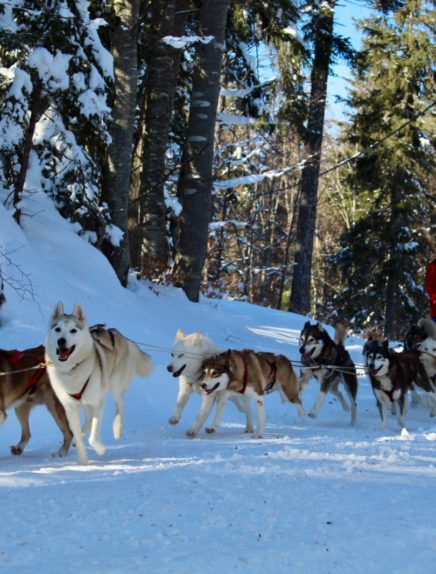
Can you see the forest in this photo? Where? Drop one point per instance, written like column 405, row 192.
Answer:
column 188, row 141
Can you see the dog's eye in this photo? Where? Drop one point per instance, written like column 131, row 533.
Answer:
column 180, row 356
column 73, row 330
column 58, row 329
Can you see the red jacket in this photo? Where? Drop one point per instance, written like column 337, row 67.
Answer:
column 430, row 286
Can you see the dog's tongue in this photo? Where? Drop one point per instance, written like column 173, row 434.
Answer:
column 64, row 353
column 307, row 356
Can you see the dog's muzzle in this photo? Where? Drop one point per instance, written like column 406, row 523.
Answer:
column 307, row 356
column 64, row 353
column 176, row 374
column 208, row 391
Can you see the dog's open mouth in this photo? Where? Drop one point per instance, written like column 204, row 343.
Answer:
column 211, row 390
column 373, row 372
column 307, row 356
column 64, row 353
column 179, row 372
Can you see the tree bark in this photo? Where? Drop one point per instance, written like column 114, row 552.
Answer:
column 119, row 159
column 301, row 278
column 37, row 106
column 195, row 185
column 162, row 74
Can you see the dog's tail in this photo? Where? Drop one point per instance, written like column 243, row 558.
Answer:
column 143, row 363
column 429, row 327
column 340, row 333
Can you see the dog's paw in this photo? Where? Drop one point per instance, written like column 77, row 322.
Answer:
column 191, row 433
column 210, row 430
column 173, row 420
column 249, row 430
column 311, row 414
column 16, row 450
column 99, row 447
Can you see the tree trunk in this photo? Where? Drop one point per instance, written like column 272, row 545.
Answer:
column 195, row 186
column 301, row 278
column 162, row 73
column 119, row 159
column 36, row 108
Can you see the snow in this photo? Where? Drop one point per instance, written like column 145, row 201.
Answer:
column 182, row 42
column 314, row 496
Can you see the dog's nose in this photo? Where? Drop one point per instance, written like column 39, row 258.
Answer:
column 62, row 342
column 203, row 385
column 170, row 368
column 301, row 350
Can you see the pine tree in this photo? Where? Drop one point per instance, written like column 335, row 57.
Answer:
column 53, row 110
column 381, row 262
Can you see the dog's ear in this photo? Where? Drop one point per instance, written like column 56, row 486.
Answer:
column 320, row 327
column 79, row 313
column 180, row 334
column 58, row 311
column 385, row 344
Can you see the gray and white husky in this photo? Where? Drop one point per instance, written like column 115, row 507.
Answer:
column 187, row 356
column 83, row 364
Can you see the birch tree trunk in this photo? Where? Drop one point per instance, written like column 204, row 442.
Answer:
column 119, row 159
column 301, row 278
column 195, row 185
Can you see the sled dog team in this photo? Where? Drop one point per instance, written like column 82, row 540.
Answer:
column 80, row 364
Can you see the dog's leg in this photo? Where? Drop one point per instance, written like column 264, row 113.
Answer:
column 337, row 393
column 243, row 405
column 305, row 377
column 22, row 413
column 94, row 437
column 185, row 390
column 432, row 403
column 203, row 413
column 73, row 416
column 117, row 425
column 351, row 385
column 57, row 411
column 381, row 408
column 223, row 396
column 415, row 397
column 319, row 400
column 260, row 409
column 86, row 428
column 402, row 403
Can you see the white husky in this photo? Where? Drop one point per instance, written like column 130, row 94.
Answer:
column 83, row 365
column 187, row 356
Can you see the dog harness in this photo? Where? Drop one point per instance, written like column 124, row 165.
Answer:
column 78, row 395
column 244, row 360
column 273, row 375
column 15, row 358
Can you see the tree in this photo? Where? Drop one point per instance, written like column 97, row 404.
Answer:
column 116, row 181
column 53, row 111
column 326, row 46
column 381, row 261
column 195, row 185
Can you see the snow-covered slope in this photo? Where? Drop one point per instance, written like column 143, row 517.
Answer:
column 313, row 496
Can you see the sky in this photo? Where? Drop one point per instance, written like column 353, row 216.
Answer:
column 313, row 496
column 345, row 14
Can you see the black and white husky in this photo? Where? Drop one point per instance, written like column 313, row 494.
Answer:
column 392, row 375
column 329, row 362
column 83, row 366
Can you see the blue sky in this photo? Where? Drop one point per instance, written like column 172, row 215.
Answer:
column 346, row 11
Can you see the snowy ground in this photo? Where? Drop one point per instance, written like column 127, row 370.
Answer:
column 313, row 496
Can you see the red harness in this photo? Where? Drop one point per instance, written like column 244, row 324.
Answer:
column 78, row 395
column 14, row 359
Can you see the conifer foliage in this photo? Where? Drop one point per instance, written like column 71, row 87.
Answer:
column 53, row 107
column 382, row 256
